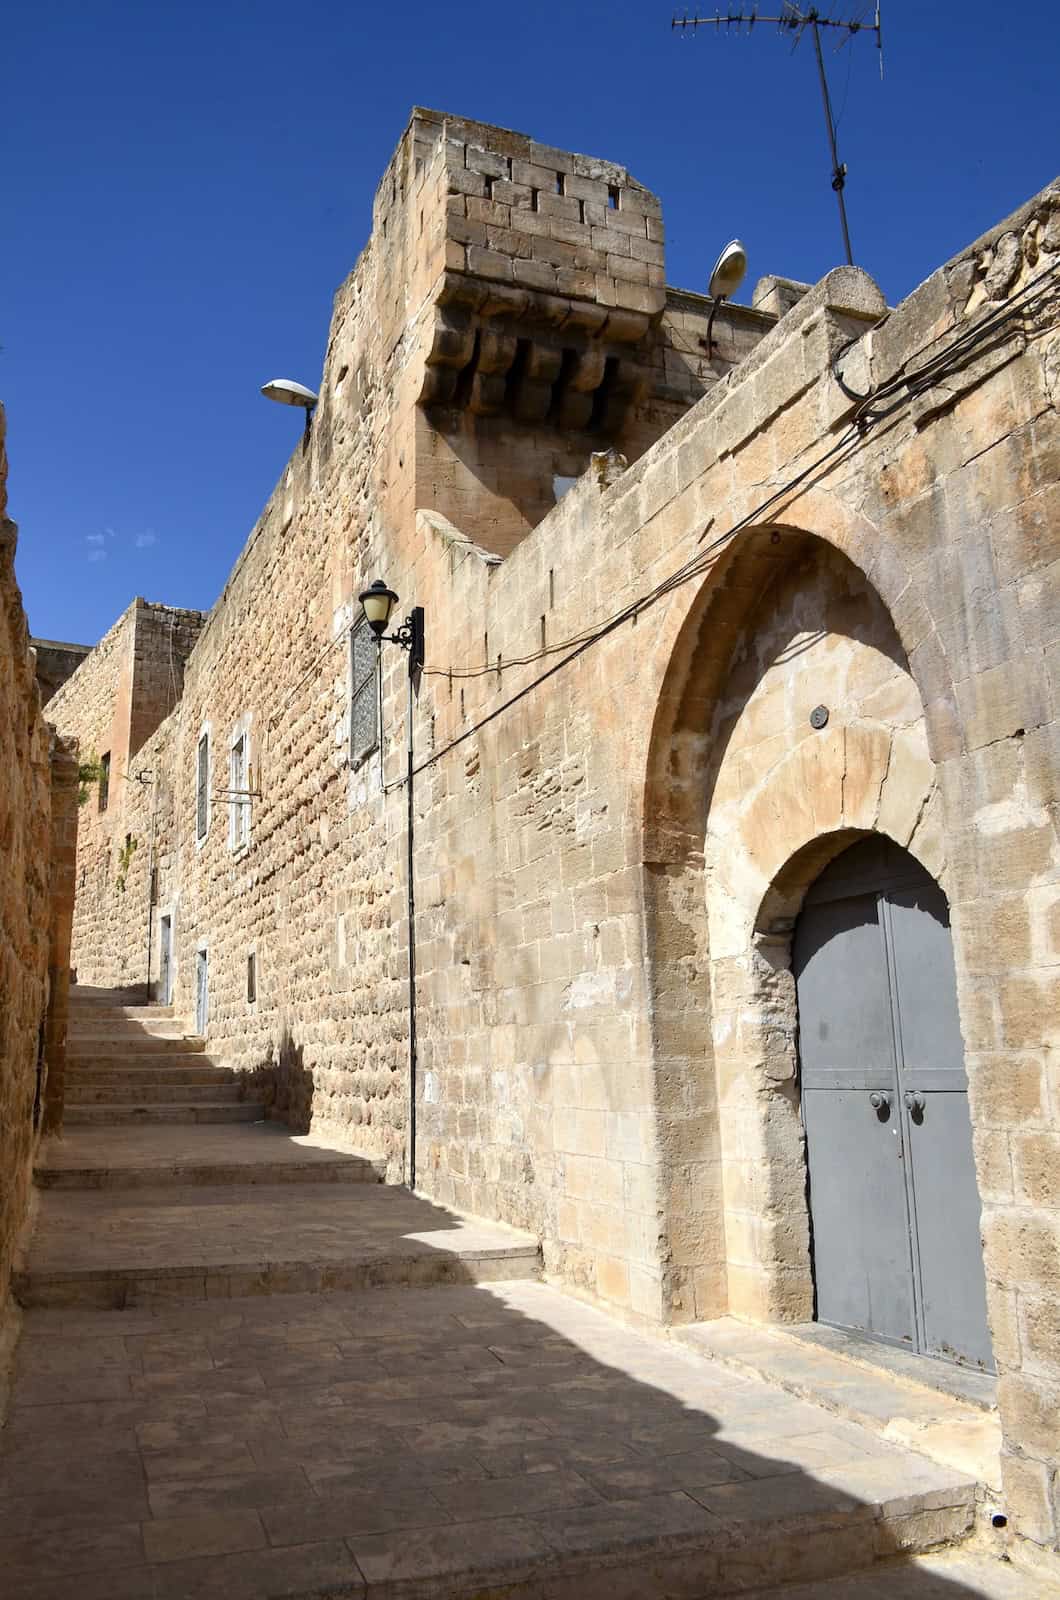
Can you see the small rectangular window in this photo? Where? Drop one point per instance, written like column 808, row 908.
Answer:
column 238, row 796
column 612, row 196
column 202, row 787
column 104, row 781
column 364, row 692
column 252, row 978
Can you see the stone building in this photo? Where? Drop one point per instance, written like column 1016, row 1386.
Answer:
column 38, row 827
column 735, row 807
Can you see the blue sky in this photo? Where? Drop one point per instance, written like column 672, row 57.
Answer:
column 187, row 183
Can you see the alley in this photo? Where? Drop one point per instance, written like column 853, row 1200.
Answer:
column 247, row 1370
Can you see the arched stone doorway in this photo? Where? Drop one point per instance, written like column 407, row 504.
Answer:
column 894, row 1207
column 751, row 792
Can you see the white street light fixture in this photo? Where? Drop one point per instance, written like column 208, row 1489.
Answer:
column 728, row 274
column 288, row 393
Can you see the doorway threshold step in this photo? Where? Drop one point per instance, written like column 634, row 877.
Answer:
column 963, row 1574
column 903, row 1409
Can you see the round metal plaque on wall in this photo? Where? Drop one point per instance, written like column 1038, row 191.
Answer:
column 818, row 716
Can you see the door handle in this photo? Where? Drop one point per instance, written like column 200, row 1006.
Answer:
column 914, row 1100
column 879, row 1100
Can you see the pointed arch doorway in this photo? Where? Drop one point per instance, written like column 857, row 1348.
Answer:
column 894, row 1205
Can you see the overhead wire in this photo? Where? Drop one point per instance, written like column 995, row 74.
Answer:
column 901, row 379
column 863, row 418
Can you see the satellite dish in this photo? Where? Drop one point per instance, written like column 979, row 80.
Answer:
column 729, row 270
column 288, row 393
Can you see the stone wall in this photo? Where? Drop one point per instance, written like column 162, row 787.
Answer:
column 111, row 705
column 37, row 789
column 610, row 855
column 55, row 663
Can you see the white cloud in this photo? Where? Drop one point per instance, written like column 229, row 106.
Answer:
column 97, row 555
column 94, row 538
column 143, row 540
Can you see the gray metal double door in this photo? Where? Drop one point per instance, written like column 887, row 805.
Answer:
column 894, row 1204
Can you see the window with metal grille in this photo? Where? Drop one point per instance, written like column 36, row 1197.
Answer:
column 364, row 692
column 202, row 788
column 104, row 781
column 238, row 799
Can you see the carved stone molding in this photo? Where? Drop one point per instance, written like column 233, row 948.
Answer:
column 495, row 348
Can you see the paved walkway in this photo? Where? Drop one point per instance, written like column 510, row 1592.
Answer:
column 429, row 1442
column 188, row 1424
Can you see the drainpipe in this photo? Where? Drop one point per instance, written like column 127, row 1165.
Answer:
column 410, row 835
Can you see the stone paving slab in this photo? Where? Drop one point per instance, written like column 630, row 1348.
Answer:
column 135, row 1157
column 487, row 1440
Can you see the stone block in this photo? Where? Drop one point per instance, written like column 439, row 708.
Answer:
column 1028, row 1499
column 487, row 162
column 1036, row 1169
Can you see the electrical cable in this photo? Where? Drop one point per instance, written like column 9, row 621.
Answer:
column 854, row 435
column 866, row 407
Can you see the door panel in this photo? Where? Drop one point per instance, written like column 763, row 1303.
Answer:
column 858, row 1213
column 946, row 1198
column 854, row 1149
column 201, row 991
column 938, row 1130
column 925, row 982
column 844, row 1000
column 165, row 939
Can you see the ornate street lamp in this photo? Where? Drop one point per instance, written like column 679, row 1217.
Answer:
column 377, row 603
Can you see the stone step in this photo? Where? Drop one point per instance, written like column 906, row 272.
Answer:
column 131, row 1050
column 162, row 1156
column 173, row 1069
column 82, row 1116
column 81, row 1094
column 93, row 1011
column 207, row 1174
column 109, row 1250
column 115, row 1028
column 81, row 994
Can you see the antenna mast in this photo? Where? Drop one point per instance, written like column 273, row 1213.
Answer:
column 793, row 19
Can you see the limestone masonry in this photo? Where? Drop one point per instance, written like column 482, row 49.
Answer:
column 807, row 584
column 38, row 826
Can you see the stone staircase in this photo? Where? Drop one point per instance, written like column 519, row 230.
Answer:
column 141, row 1064
column 169, row 1183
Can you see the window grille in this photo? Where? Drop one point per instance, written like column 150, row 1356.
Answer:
column 202, row 788
column 239, row 799
column 364, row 692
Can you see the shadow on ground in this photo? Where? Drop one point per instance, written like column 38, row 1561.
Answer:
column 430, row 1441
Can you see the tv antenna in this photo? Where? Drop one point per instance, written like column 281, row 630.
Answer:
column 796, row 20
